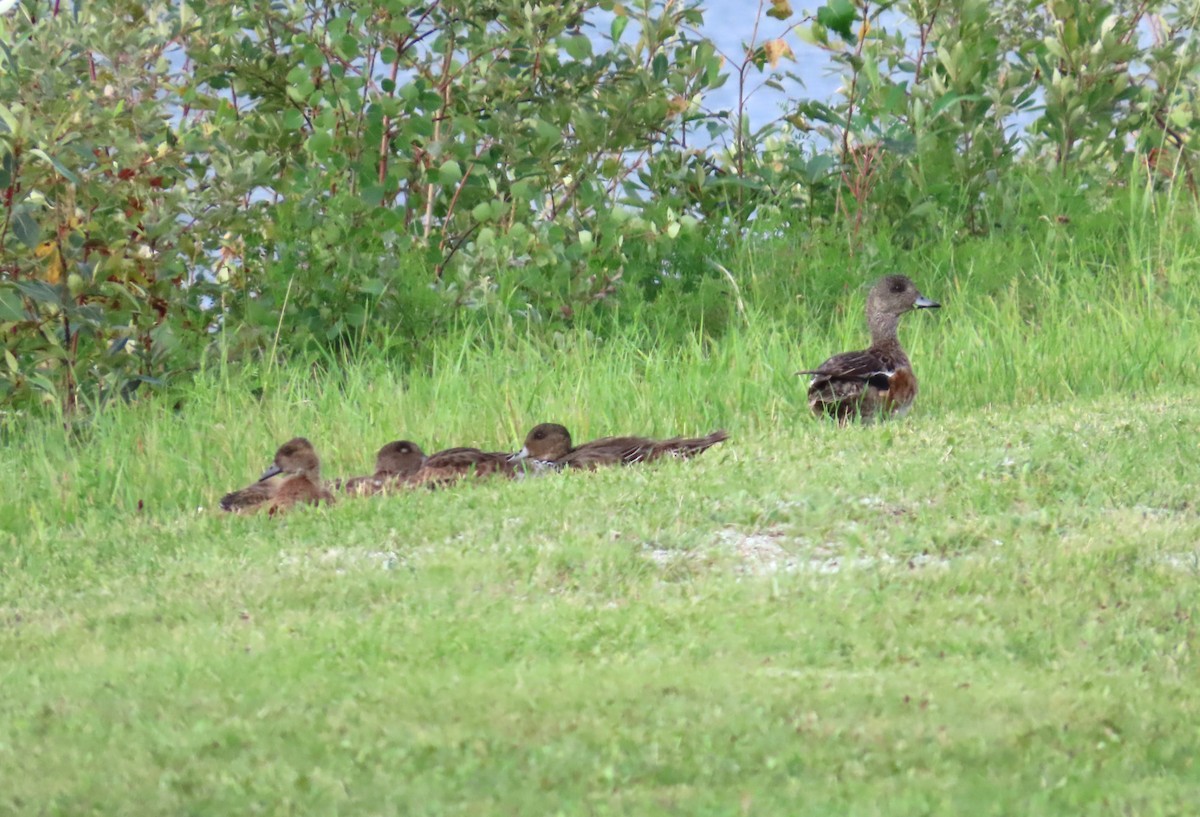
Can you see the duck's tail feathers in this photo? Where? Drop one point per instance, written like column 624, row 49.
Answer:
column 684, row 447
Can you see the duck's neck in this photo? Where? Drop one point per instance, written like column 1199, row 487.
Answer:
column 883, row 328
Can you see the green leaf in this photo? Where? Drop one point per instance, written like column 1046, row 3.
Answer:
column 523, row 191
column 373, row 286
column 547, row 131
column 815, row 34
column 658, row 66
column 8, row 119
column 922, row 209
column 712, row 73
column 618, row 27
column 26, row 228
column 951, row 98
column 320, row 144
column 819, row 166
column 450, row 173
column 11, row 308
column 839, row 16
column 39, row 292
column 579, row 47
column 372, row 194
column 62, row 171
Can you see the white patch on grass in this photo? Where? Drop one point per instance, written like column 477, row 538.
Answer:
column 341, row 560
column 772, row 552
column 1188, row 561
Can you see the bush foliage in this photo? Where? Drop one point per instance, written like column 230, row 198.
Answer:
column 258, row 178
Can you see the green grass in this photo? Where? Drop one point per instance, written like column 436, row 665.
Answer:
column 989, row 608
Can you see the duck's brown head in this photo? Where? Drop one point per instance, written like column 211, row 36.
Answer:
column 399, row 459
column 548, row 441
column 296, row 457
column 891, row 297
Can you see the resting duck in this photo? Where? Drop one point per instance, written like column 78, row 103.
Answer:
column 877, row 381
column 453, row 464
column 551, row 443
column 394, row 463
column 294, row 476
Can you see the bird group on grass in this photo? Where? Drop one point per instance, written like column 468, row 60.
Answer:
column 873, row 383
column 295, row 474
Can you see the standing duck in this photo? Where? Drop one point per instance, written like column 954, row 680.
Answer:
column 551, row 443
column 879, row 380
column 294, row 476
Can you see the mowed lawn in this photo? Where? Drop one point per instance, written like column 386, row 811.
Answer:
column 986, row 610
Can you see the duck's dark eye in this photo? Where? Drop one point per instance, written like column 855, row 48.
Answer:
column 898, row 286
column 539, row 435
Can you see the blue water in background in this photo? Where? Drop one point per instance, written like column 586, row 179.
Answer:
column 730, row 25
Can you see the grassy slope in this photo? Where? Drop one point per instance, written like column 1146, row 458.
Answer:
column 988, row 608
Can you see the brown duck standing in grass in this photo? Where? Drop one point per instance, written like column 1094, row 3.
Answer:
column 395, row 462
column 879, row 380
column 551, row 443
column 294, row 476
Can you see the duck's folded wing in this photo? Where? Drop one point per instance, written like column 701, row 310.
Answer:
column 610, row 451
column 863, row 367
column 454, row 463
column 249, row 497
column 464, row 458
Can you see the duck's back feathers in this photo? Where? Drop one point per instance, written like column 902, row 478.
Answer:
column 453, row 464
column 629, row 450
column 249, row 497
column 608, row 451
